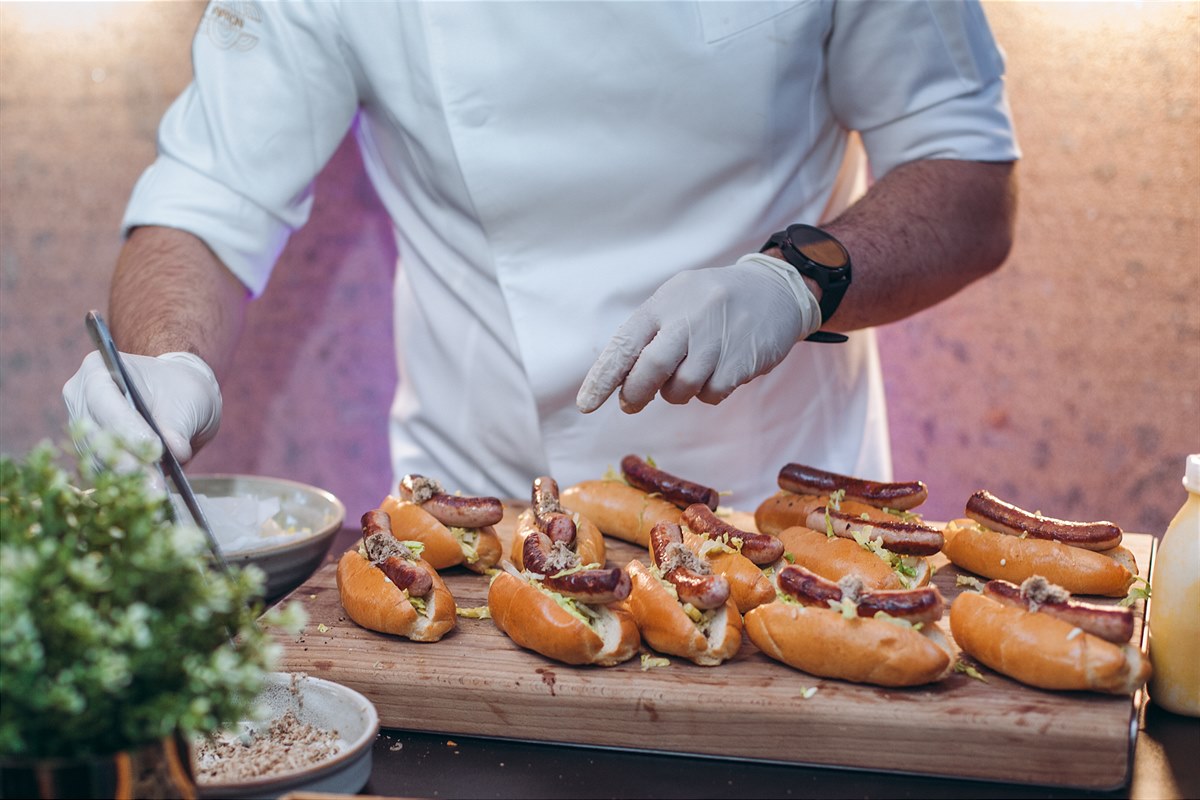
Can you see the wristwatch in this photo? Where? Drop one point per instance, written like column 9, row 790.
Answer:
column 816, row 254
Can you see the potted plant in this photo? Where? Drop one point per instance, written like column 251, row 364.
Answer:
column 120, row 639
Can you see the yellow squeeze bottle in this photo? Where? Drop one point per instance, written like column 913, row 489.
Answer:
column 1175, row 606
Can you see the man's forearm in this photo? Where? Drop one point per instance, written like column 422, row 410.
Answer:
column 170, row 293
column 922, row 233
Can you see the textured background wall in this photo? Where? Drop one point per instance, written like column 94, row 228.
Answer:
column 1069, row 381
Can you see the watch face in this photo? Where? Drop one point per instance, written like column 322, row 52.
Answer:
column 819, row 247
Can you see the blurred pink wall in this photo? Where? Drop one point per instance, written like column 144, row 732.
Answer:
column 1068, row 382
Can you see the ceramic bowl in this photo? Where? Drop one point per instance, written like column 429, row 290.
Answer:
column 323, row 704
column 289, row 564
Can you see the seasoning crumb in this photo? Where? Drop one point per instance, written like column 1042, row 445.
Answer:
column 287, row 745
column 451, row 743
column 398, row 746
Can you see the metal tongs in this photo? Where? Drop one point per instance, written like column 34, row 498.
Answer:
column 168, row 463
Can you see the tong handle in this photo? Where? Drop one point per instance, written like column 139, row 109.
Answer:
column 168, row 463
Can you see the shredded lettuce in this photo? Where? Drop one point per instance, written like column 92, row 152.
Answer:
column 418, row 604
column 650, row 661
column 611, row 474
column 969, row 582
column 907, row 516
column 1136, row 592
column 883, row 616
column 574, row 569
column 414, row 547
column 968, row 670
column 846, row 607
column 720, row 545
column 468, row 540
column 581, row 611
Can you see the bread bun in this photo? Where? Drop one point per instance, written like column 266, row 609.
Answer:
column 985, row 552
column 1039, row 650
column 834, row 557
column 479, row 550
column 618, row 509
column 820, row 641
column 667, row 628
column 530, row 617
column 374, row 602
column 784, row 510
column 488, row 549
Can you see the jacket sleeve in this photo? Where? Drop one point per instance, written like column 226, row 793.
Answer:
column 919, row 79
column 272, row 96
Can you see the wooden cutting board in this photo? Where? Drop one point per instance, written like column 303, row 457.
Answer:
column 475, row 681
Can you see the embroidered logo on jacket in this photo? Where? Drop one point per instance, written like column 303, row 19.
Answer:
column 227, row 22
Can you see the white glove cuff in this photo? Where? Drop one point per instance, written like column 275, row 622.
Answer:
column 194, row 361
column 806, row 301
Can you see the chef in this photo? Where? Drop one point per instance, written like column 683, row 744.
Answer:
column 622, row 227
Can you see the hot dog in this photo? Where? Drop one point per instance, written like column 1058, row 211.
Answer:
column 895, row 535
column 386, row 586
column 867, row 527
column 627, row 508
column 841, row 630
column 805, row 480
column 1111, row 623
column 758, row 547
column 547, row 515
column 454, row 529
column 537, row 618
column 680, row 606
column 999, row 540
column 723, row 548
column 1040, row 637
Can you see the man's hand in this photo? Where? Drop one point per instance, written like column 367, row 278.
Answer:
column 179, row 389
column 703, row 334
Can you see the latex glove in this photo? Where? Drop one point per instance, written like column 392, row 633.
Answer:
column 180, row 390
column 704, row 333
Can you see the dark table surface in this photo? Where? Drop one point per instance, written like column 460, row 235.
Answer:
column 413, row 764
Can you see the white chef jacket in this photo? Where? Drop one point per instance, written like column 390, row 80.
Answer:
column 547, row 166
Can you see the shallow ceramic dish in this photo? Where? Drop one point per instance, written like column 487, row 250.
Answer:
column 323, row 704
column 289, row 564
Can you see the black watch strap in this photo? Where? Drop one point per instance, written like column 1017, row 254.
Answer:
column 833, row 281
